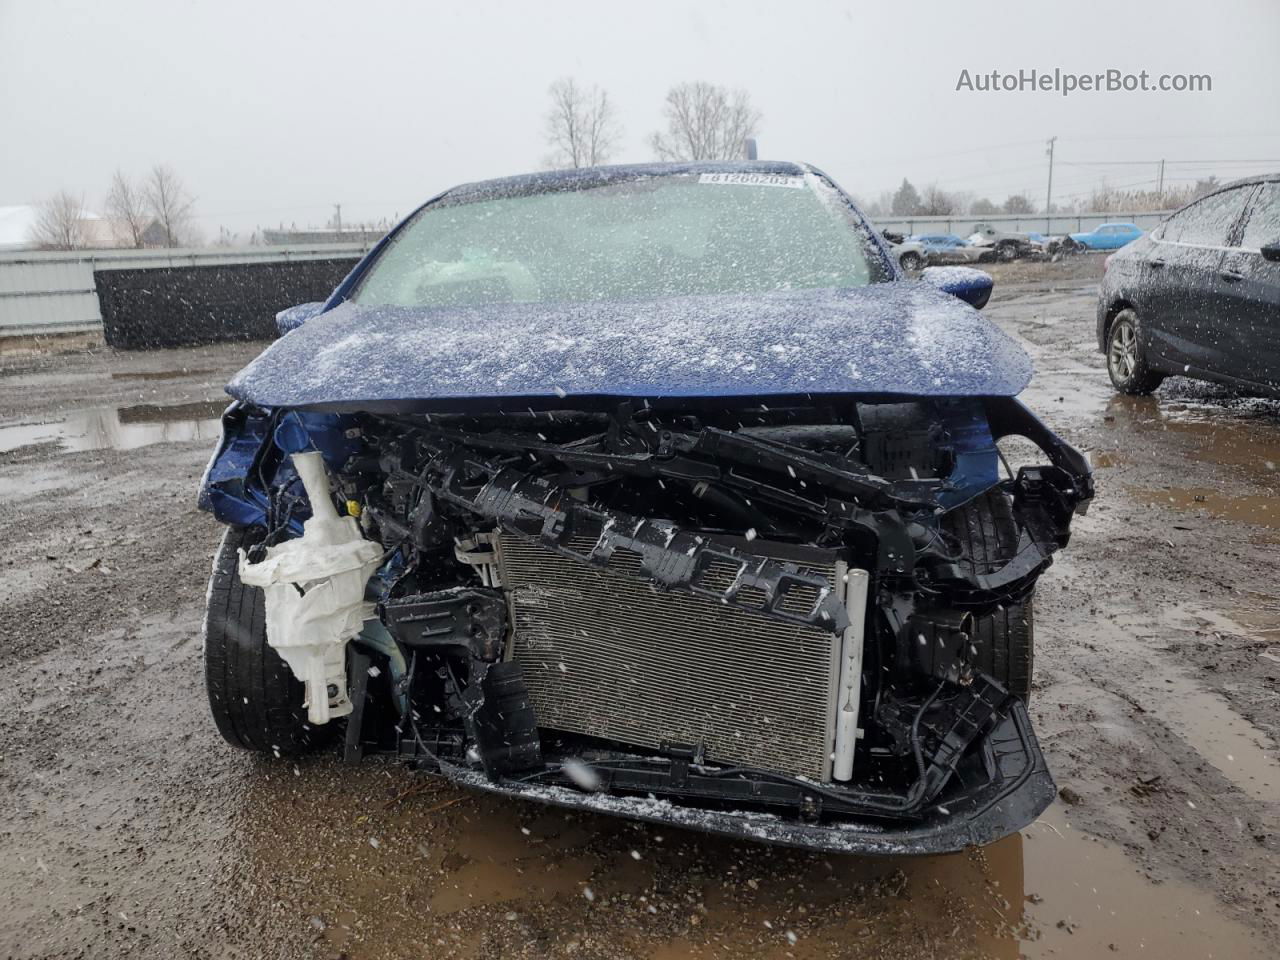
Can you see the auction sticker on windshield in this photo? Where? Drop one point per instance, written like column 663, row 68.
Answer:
column 753, row 179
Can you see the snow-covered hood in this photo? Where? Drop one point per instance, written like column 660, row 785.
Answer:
column 902, row 337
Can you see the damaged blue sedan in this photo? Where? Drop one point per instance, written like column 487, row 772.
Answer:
column 652, row 490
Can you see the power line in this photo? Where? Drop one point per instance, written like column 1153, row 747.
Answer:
column 1149, row 181
column 1119, row 186
column 990, row 174
column 1205, row 163
column 955, row 153
column 1178, row 136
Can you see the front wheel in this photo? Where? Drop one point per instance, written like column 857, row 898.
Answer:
column 911, row 262
column 1126, row 364
column 255, row 699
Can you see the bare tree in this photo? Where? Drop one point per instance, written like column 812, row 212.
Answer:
column 60, row 222
column 961, row 200
column 936, row 202
column 127, row 209
column 983, row 208
column 580, row 126
column 705, row 122
column 1017, row 203
column 170, row 204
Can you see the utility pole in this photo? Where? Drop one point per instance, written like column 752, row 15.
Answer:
column 1160, row 185
column 1048, row 194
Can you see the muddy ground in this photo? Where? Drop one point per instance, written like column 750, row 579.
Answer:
column 130, row 829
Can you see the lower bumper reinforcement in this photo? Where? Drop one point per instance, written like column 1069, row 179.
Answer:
column 1020, row 789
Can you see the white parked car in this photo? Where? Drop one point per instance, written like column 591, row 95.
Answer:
column 910, row 255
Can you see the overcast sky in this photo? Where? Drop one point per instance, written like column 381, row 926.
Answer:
column 272, row 112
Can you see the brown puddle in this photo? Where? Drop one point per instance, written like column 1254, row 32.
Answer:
column 120, row 428
column 1240, row 439
column 1262, row 510
column 455, row 874
column 1244, row 435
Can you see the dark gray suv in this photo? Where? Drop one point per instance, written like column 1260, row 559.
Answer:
column 1199, row 296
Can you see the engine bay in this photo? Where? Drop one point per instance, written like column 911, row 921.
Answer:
column 793, row 606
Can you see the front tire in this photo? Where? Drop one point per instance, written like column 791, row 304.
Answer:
column 911, row 262
column 1126, row 363
column 1007, row 252
column 255, row 699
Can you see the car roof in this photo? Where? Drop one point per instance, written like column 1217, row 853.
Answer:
column 551, row 180
column 1242, row 182
column 1246, row 181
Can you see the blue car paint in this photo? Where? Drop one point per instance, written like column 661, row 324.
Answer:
column 975, row 458
column 964, row 283
column 1095, row 240
column 252, row 457
column 226, row 489
column 294, row 317
column 904, row 337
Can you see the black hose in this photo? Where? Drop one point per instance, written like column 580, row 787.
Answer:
column 736, row 507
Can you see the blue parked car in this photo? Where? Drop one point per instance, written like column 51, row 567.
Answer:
column 1109, row 236
column 947, row 248
column 659, row 491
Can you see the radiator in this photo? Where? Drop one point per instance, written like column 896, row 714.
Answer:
column 606, row 655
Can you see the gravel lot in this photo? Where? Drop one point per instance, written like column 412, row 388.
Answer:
column 130, row 829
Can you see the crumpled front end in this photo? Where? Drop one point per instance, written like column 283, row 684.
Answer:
column 805, row 620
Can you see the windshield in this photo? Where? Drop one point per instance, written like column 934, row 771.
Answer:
column 652, row 237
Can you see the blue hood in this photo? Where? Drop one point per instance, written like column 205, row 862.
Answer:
column 902, row 337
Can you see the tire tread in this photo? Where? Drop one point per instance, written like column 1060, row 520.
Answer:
column 255, row 700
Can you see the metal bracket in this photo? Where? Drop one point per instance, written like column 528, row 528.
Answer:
column 358, row 670
column 473, row 618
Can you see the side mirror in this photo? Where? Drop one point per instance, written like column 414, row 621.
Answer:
column 1271, row 251
column 971, row 286
column 294, row 317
